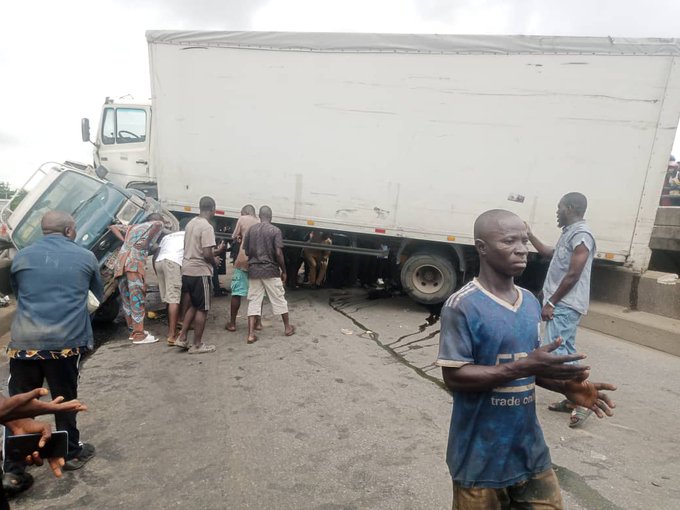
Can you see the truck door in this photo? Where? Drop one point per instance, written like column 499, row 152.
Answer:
column 123, row 146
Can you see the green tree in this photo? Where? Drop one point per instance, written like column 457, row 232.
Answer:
column 6, row 191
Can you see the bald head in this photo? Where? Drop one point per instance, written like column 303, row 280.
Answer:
column 265, row 213
column 248, row 210
column 501, row 240
column 58, row 222
column 490, row 221
column 577, row 202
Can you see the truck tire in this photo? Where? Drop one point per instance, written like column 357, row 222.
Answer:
column 108, row 310
column 428, row 278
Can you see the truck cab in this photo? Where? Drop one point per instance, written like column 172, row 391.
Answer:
column 121, row 145
column 94, row 203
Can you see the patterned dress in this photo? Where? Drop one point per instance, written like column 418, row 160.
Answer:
column 130, row 267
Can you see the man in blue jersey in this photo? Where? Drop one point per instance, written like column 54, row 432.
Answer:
column 491, row 359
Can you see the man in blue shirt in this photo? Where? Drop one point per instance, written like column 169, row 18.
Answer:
column 566, row 290
column 491, row 360
column 51, row 329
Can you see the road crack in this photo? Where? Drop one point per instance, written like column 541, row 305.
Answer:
column 338, row 304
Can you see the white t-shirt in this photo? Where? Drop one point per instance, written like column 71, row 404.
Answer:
column 172, row 248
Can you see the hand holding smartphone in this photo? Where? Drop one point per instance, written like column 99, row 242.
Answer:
column 17, row 448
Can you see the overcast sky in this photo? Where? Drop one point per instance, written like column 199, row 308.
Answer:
column 59, row 60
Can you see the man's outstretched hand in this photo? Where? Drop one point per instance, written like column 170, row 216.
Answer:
column 28, row 405
column 590, row 395
column 543, row 363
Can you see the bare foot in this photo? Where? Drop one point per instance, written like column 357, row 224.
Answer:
column 258, row 326
column 290, row 331
column 251, row 339
column 230, row 327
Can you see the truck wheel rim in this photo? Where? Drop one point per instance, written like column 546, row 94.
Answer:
column 427, row 279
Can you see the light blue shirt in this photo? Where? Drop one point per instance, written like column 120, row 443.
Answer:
column 578, row 298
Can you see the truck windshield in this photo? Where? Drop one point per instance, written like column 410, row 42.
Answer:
column 92, row 204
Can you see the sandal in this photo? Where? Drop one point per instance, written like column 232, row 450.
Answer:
column 251, row 340
column 182, row 344
column 578, row 416
column 201, row 349
column 148, row 339
column 561, row 407
column 14, row 483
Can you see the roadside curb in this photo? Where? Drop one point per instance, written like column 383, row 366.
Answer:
column 655, row 331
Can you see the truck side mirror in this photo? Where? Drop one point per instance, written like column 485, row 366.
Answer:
column 85, row 129
column 100, row 171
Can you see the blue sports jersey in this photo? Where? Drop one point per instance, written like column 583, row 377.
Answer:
column 495, row 439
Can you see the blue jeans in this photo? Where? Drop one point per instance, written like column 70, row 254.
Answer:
column 564, row 324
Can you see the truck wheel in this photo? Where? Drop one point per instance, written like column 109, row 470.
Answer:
column 108, row 310
column 428, row 278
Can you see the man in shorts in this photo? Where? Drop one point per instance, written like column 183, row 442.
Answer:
column 239, row 280
column 491, row 360
column 200, row 257
column 168, row 266
column 266, row 272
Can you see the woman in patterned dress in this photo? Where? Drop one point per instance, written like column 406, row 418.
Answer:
column 137, row 240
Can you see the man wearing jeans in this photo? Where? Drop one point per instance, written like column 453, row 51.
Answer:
column 566, row 291
column 266, row 272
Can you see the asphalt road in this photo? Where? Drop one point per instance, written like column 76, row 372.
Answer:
column 347, row 414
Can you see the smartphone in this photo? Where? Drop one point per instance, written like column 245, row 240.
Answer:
column 17, row 448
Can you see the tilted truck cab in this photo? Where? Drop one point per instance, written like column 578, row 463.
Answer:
column 95, row 204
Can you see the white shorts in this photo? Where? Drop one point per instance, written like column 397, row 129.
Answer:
column 169, row 281
column 275, row 292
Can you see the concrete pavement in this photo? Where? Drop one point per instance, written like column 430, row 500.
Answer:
column 629, row 461
column 347, row 414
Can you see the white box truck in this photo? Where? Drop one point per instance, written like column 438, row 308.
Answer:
column 402, row 140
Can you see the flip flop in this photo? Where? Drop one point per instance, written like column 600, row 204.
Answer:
column 563, row 406
column 251, row 340
column 578, row 416
column 291, row 332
